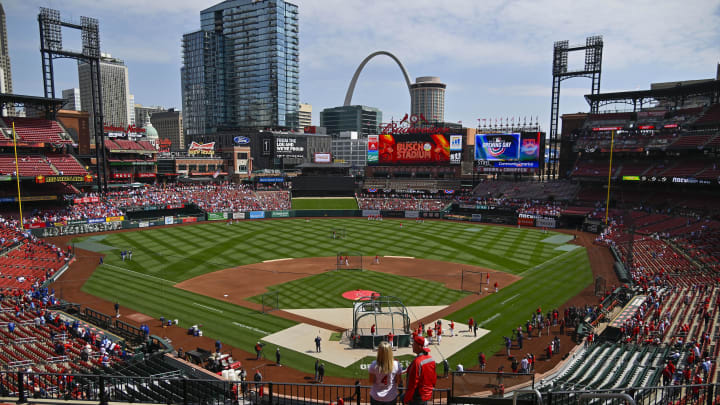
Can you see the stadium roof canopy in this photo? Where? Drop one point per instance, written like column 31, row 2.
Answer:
column 50, row 105
column 638, row 98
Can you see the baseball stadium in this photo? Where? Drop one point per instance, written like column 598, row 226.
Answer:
column 579, row 265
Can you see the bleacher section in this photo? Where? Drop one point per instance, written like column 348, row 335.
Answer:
column 25, row 260
column 66, row 164
column 711, row 116
column 37, row 130
column 29, row 165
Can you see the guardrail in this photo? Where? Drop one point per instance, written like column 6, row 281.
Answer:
column 51, row 388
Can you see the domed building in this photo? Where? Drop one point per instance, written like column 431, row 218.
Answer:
column 151, row 134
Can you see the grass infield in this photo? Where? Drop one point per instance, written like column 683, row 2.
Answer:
column 162, row 257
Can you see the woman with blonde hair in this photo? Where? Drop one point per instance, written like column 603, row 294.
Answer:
column 384, row 376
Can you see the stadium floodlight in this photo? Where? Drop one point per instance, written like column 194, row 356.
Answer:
column 592, row 69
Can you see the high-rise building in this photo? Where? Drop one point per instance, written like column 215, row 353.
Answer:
column 131, row 109
column 241, row 70
column 142, row 111
column 169, row 125
column 72, row 99
column 115, row 92
column 349, row 149
column 358, row 118
column 305, row 115
column 6, row 84
column 427, row 97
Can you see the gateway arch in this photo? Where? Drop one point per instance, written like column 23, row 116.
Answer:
column 351, row 88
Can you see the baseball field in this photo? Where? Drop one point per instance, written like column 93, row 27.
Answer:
column 213, row 274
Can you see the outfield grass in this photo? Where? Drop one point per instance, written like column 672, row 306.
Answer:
column 162, row 257
column 324, row 204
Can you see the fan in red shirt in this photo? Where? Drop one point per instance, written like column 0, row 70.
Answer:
column 421, row 375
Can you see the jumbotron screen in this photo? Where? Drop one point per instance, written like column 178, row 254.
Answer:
column 414, row 149
column 513, row 150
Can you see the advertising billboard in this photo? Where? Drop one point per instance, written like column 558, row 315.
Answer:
column 411, row 149
column 509, row 152
column 323, row 158
column 500, row 147
column 290, row 147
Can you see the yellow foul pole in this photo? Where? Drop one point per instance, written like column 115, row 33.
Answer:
column 17, row 176
column 607, row 200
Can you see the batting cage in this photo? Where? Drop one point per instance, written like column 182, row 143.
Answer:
column 349, row 261
column 379, row 318
column 270, row 301
column 473, row 281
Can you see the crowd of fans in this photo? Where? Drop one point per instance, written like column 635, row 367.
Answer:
column 227, row 197
column 396, row 203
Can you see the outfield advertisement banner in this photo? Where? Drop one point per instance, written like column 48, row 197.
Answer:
column 217, row 216
column 280, row 214
column 476, row 218
column 238, row 215
column 78, row 229
column 169, row 220
column 143, row 224
column 524, row 221
column 412, row 214
column 431, row 214
column 545, row 222
column 257, row 214
column 370, row 213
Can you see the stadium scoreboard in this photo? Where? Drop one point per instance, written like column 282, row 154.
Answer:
column 415, row 149
column 509, row 152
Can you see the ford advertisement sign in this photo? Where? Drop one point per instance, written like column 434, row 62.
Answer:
column 241, row 140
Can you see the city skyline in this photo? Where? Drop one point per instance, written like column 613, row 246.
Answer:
column 495, row 57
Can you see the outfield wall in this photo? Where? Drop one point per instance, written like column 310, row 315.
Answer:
column 93, row 225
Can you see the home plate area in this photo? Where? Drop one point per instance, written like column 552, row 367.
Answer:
column 301, row 337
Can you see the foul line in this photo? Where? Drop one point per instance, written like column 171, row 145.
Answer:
column 490, row 319
column 138, row 273
column 276, row 260
column 510, row 299
column 400, row 257
column 207, row 307
column 251, row 328
column 546, row 262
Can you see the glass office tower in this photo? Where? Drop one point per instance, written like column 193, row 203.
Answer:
column 241, row 70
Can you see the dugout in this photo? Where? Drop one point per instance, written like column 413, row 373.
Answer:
column 387, row 313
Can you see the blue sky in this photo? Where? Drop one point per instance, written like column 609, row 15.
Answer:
column 495, row 56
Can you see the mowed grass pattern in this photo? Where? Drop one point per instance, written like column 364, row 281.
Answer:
column 165, row 256
column 324, row 204
column 325, row 290
column 183, row 252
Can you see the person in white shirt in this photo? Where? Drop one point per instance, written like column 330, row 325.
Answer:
column 384, row 375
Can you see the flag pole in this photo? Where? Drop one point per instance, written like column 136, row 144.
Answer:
column 17, row 176
column 607, row 200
